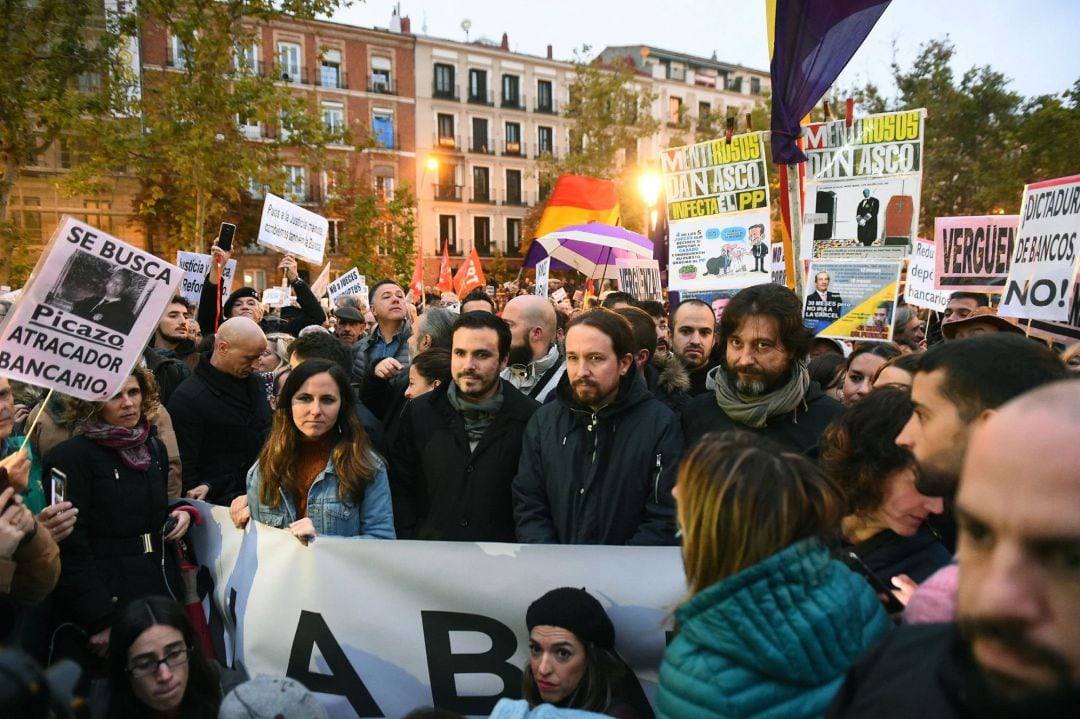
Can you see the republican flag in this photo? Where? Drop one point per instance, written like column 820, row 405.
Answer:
column 577, row 199
column 446, row 280
column 416, row 286
column 810, row 42
column 470, row 275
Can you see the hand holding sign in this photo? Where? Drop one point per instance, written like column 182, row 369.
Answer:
column 288, row 266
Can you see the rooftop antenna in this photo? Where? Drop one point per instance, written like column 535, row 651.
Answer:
column 465, row 25
column 423, row 28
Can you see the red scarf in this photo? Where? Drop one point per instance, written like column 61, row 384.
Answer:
column 129, row 443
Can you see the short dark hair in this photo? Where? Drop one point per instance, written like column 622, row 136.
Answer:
column 478, row 294
column 759, row 226
column 689, row 303
column 642, row 327
column 611, row 323
column 377, row 285
column 884, row 350
column 778, row 302
column 652, row 308
column 826, row 369
column 322, row 345
column 181, row 300
column 981, row 298
column 858, row 448
column 433, row 364
column 614, row 298
column 986, row 371
column 478, row 320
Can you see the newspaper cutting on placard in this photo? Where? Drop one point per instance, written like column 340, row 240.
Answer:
column 852, row 300
column 921, row 277
column 349, row 283
column 427, row 635
column 718, row 214
column 973, row 253
column 543, row 273
column 862, row 186
column 640, row 278
column 1044, row 264
column 196, row 266
column 85, row 315
column 716, row 299
column 292, row 229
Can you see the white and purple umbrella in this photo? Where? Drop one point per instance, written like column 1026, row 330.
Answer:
column 591, row 249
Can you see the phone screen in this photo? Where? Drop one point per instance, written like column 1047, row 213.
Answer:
column 59, row 486
column 885, row 592
column 225, row 236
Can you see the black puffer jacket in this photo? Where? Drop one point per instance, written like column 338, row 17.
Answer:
column 104, row 563
column 599, row 478
column 442, row 489
column 221, row 423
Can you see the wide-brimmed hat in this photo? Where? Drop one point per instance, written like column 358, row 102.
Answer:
column 980, row 314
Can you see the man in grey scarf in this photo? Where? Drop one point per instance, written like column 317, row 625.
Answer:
column 762, row 384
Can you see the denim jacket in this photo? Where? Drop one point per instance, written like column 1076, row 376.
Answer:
column 373, row 519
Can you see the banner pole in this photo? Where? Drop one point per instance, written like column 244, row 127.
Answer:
column 795, row 205
column 33, row 424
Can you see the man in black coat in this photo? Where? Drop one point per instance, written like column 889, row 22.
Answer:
column 762, row 384
column 113, row 309
column 221, row 414
column 597, row 464
column 456, row 450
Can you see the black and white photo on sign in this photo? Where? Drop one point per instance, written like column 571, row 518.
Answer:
column 100, row 291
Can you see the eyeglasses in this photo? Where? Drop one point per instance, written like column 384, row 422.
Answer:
column 145, row 666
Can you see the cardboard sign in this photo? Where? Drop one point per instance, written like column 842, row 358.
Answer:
column 86, row 313
column 852, row 300
column 973, row 253
column 921, row 278
column 1045, row 260
column 196, row 266
column 640, row 279
column 543, row 271
column 292, row 229
column 559, row 295
column 779, row 266
column 274, row 297
column 348, row 284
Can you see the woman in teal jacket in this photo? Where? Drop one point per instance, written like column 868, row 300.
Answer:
column 316, row 474
column 772, row 621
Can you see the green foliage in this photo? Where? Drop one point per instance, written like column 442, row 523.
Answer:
column 378, row 233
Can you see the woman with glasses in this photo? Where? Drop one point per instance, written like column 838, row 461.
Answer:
column 156, row 666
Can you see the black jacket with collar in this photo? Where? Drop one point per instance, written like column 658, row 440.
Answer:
column 444, row 490
column 599, row 477
column 221, row 424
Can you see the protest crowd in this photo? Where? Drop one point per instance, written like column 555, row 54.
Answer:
column 882, row 529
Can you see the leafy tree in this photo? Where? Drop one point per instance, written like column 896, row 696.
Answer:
column 378, row 233
column 54, row 53
column 1050, row 135
column 183, row 138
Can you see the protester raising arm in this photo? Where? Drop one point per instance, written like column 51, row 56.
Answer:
column 210, row 299
column 311, row 312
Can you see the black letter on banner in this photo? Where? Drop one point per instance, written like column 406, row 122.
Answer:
column 342, row 679
column 443, row 665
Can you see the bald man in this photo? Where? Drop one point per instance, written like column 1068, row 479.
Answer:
column 1014, row 650
column 221, row 414
column 535, row 365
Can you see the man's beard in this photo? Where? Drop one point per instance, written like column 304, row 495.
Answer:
column 933, row 481
column 754, row 384
column 172, row 339
column 520, row 355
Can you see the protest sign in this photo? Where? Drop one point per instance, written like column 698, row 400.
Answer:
column 718, row 214
column 275, row 296
column 86, row 313
column 717, row 299
column 427, row 636
column 347, row 284
column 196, row 266
column 543, row 272
column 559, row 295
column 779, row 267
column 640, row 279
column 1063, row 333
column 852, row 300
column 921, row 277
column 1044, row 264
column 973, row 253
column 290, row 228
column 862, row 186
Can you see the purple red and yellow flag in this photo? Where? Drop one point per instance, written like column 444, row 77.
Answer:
column 576, row 200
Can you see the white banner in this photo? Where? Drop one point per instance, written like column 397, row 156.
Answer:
column 543, row 273
column 378, row 628
column 86, row 313
column 920, row 278
column 196, row 266
column 290, row 228
column 640, row 279
column 349, row 283
column 1045, row 259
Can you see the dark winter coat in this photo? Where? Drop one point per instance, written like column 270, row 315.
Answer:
column 168, row 368
column 442, row 489
column 888, row 554
column 379, row 394
column 667, row 379
column 599, row 477
column 104, row 563
column 795, row 431
column 221, row 424
column 310, row 313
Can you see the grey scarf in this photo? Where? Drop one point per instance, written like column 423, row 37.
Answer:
column 755, row 411
column 476, row 415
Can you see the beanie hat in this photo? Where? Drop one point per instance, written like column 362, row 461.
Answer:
column 226, row 309
column 265, row 697
column 575, row 610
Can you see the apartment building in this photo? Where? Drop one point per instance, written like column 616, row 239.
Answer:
column 484, row 115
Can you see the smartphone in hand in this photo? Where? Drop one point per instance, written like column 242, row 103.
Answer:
column 884, row 592
column 58, row 486
column 225, row 236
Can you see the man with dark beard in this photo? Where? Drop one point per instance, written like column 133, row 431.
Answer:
column 762, row 384
column 535, row 365
column 171, row 355
column 1015, row 648
column 598, row 462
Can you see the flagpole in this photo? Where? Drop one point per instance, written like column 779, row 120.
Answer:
column 795, row 205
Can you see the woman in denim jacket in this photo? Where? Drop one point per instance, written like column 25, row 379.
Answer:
column 317, row 474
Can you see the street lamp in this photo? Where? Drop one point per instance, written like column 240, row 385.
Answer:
column 649, row 187
column 432, row 164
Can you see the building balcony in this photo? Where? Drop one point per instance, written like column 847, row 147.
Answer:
column 383, row 87
column 484, row 248
column 514, row 148
column 513, row 103
column 482, row 146
column 482, row 198
column 517, row 199
column 448, row 193
column 446, row 92
column 446, row 142
column 481, row 98
column 332, row 78
column 549, row 108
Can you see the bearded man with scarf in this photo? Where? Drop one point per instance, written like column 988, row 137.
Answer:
column 457, row 448
column 762, row 384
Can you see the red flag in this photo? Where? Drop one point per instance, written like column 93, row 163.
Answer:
column 577, row 199
column 446, row 281
column 470, row 275
column 417, row 284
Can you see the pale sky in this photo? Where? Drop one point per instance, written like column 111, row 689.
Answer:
column 1033, row 42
